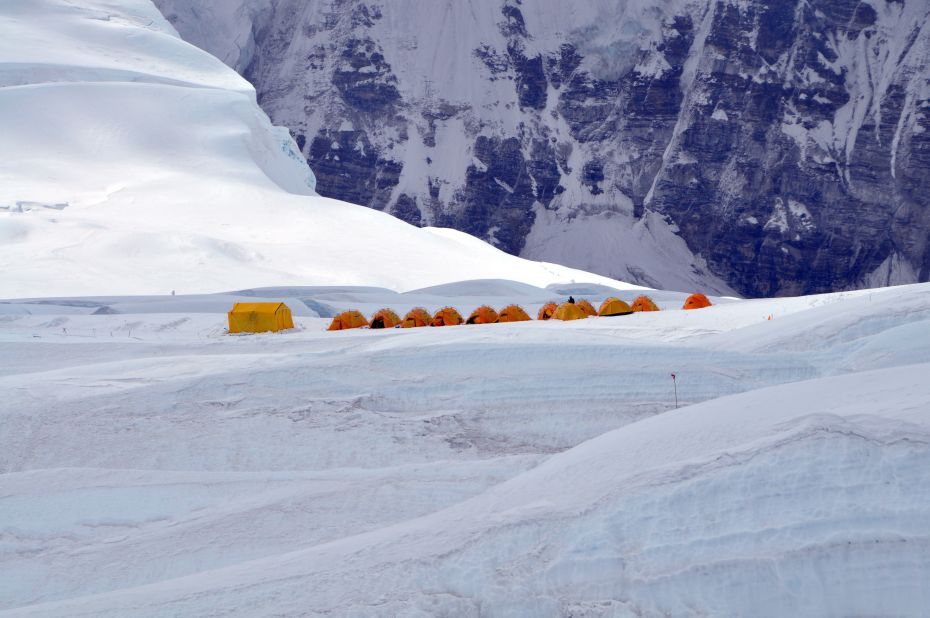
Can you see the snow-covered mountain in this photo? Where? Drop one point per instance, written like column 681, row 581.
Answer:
column 772, row 147
column 134, row 162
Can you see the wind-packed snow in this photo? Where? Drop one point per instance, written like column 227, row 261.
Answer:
column 152, row 465
column 132, row 162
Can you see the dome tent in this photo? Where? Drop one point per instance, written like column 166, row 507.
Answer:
column 696, row 301
column 546, row 311
column 569, row 311
column 513, row 313
column 587, row 307
column 447, row 316
column 416, row 318
column 385, row 318
column 614, row 306
column 483, row 315
column 347, row 320
column 644, row 303
column 259, row 318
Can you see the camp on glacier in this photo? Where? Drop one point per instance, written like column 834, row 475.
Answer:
column 225, row 395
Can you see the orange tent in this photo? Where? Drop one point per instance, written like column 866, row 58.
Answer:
column 385, row 318
column 482, row 315
column 644, row 303
column 547, row 311
column 513, row 313
column 587, row 307
column 696, row 301
column 614, row 306
column 447, row 316
column 569, row 311
column 347, row 320
column 416, row 318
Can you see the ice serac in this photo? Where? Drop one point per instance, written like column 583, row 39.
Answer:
column 784, row 144
column 133, row 162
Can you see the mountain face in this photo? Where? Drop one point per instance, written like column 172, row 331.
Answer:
column 768, row 148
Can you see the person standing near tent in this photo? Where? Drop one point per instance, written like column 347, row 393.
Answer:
column 571, row 300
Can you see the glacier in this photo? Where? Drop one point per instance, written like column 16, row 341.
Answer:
column 152, row 465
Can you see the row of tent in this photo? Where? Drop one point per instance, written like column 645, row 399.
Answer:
column 265, row 317
column 449, row 316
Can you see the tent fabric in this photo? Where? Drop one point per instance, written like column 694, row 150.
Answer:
column 483, row 315
column 614, row 306
column 416, row 318
column 513, row 313
column 696, row 301
column 447, row 316
column 347, row 320
column 547, row 311
column 385, row 318
column 586, row 306
column 644, row 303
column 569, row 311
column 259, row 318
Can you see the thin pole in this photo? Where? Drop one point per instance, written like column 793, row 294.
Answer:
column 675, row 383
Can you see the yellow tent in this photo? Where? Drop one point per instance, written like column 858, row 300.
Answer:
column 569, row 311
column 614, row 306
column 259, row 317
column 482, row 315
column 513, row 313
column 587, row 307
column 416, row 318
column 347, row 320
column 644, row 303
column 546, row 311
column 447, row 316
column 696, row 301
column 385, row 318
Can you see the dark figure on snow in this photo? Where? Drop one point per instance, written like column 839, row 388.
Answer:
column 571, row 300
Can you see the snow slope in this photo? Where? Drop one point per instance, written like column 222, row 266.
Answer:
column 151, row 465
column 131, row 162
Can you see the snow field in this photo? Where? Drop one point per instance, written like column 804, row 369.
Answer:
column 505, row 470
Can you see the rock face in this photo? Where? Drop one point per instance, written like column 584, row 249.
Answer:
column 769, row 148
